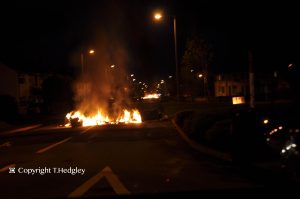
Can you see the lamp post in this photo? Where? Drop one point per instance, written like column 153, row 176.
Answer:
column 82, row 60
column 91, row 52
column 158, row 16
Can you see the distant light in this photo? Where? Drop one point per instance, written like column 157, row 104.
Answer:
column 91, row 51
column 290, row 65
column 283, row 151
column 133, row 80
column 140, row 82
column 162, row 81
column 200, row 75
column 280, row 127
column 266, row 121
column 294, row 145
column 112, row 66
column 275, row 74
column 152, row 96
column 157, row 16
column 296, row 130
column 170, row 76
column 238, row 100
column 131, row 75
column 192, row 70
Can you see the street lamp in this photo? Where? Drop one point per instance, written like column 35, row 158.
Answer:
column 158, row 16
column 83, row 59
column 202, row 77
column 91, row 52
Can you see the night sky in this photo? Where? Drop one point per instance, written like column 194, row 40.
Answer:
column 47, row 36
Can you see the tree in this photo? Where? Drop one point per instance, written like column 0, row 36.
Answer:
column 196, row 60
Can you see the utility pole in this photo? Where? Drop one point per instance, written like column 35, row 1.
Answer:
column 176, row 60
column 251, row 79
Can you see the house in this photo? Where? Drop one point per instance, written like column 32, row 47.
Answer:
column 267, row 85
column 233, row 84
column 24, row 88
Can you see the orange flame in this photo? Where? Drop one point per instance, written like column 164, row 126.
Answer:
column 151, row 96
column 126, row 117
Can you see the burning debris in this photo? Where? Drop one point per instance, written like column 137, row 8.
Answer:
column 151, row 96
column 102, row 91
column 76, row 118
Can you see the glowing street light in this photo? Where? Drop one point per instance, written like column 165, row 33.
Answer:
column 158, row 16
column 82, row 57
column 91, row 51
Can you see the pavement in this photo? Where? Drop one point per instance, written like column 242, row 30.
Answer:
column 27, row 122
column 12, row 130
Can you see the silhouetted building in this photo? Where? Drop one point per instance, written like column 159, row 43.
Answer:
column 24, row 88
column 268, row 86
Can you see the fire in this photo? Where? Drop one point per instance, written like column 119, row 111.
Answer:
column 151, row 96
column 100, row 118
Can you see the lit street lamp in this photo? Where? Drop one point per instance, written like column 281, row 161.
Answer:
column 203, row 78
column 158, row 16
column 91, row 52
column 84, row 60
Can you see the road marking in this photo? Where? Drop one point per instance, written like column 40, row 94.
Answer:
column 53, row 145
column 23, row 129
column 82, row 132
column 7, row 167
column 112, row 179
column 6, row 144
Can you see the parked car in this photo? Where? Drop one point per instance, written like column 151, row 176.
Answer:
column 268, row 135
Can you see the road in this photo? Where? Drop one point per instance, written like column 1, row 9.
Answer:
column 146, row 158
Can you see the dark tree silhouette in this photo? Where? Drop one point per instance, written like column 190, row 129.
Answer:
column 196, row 60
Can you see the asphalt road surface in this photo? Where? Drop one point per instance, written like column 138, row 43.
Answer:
column 149, row 158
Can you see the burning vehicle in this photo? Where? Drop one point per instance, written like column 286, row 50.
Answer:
column 78, row 118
